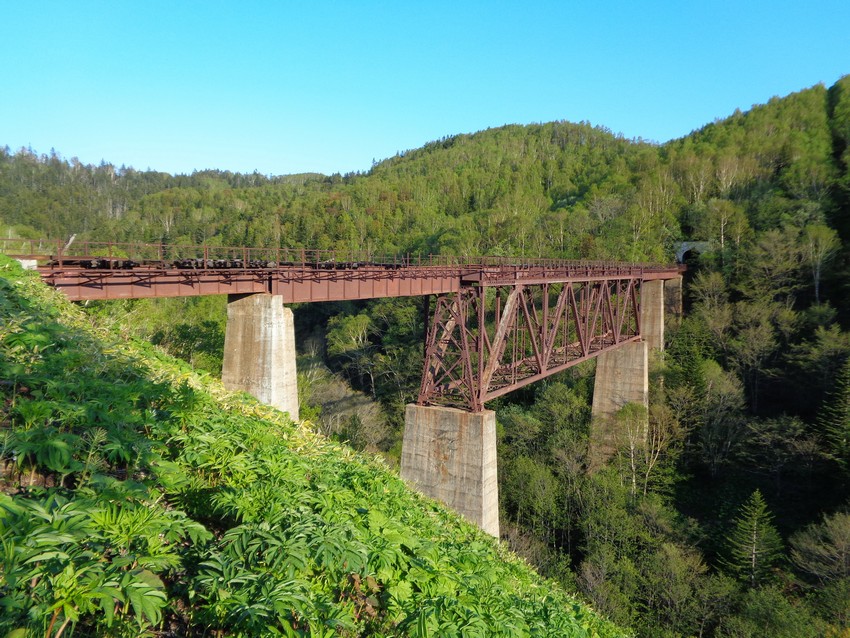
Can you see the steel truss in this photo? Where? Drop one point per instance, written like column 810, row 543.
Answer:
column 485, row 341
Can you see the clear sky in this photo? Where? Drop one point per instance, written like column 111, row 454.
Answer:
column 285, row 87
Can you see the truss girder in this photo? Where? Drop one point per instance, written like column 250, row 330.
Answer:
column 485, row 341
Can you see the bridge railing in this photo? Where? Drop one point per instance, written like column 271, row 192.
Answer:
column 30, row 248
column 116, row 255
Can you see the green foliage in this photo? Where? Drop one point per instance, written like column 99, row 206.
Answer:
column 766, row 612
column 822, row 550
column 349, row 339
column 753, row 544
column 532, row 491
column 197, row 337
column 780, row 447
column 834, row 417
column 87, row 561
column 822, row 553
column 820, row 242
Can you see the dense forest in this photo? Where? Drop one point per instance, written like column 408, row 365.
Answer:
column 733, row 520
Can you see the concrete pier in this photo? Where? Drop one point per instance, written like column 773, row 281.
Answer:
column 673, row 299
column 622, row 376
column 259, row 350
column 652, row 300
column 450, row 455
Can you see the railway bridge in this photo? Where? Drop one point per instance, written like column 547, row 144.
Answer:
column 492, row 325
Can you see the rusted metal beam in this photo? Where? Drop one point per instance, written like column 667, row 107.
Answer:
column 520, row 341
column 294, row 283
column 108, row 270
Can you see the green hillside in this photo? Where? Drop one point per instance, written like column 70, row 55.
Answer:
column 140, row 498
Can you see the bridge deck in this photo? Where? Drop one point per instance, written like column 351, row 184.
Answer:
column 96, row 271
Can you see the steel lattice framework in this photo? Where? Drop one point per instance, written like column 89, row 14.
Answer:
column 485, row 341
column 498, row 323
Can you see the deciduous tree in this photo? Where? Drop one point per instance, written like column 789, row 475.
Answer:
column 819, row 244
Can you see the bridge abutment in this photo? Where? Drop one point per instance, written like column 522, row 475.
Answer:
column 28, row 264
column 450, row 455
column 259, row 350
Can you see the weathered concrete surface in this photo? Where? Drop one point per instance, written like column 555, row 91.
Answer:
column 622, row 377
column 652, row 313
column 684, row 247
column 259, row 350
column 450, row 455
column 673, row 299
column 28, row 264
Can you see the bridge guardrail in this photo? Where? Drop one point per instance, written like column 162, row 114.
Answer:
column 118, row 255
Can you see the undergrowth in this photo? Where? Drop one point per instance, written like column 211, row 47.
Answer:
column 140, row 498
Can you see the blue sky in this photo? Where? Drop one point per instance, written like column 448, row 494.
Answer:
column 286, row 87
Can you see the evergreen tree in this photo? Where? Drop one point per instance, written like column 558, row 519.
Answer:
column 834, row 417
column 753, row 545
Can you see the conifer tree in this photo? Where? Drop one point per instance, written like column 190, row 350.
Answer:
column 753, row 545
column 834, row 417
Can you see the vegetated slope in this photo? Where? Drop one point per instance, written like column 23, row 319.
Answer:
column 140, row 499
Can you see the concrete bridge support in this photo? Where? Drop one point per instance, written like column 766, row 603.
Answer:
column 673, row 299
column 259, row 350
column 450, row 455
column 622, row 377
column 652, row 313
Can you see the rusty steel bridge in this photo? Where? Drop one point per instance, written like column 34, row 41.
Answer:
column 496, row 324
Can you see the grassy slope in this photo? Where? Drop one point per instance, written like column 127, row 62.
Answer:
column 139, row 497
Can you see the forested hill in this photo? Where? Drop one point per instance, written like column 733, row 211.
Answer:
column 556, row 189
